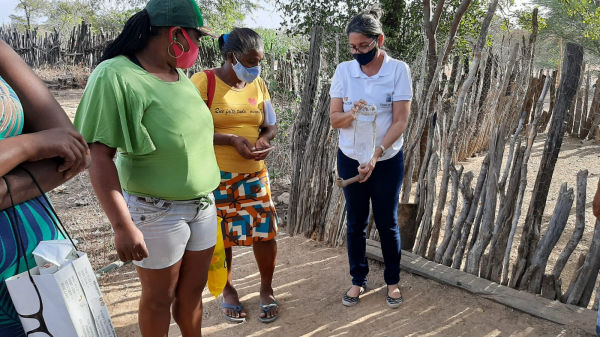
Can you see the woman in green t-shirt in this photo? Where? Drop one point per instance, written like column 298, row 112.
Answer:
column 158, row 195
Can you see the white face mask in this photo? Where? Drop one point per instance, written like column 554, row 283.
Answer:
column 244, row 74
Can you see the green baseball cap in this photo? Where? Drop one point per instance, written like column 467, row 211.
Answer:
column 177, row 13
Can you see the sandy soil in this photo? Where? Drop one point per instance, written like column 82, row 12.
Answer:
column 311, row 278
column 309, row 282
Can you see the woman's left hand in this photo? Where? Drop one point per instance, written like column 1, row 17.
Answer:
column 367, row 169
column 261, row 144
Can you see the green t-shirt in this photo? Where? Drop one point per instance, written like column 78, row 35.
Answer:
column 163, row 131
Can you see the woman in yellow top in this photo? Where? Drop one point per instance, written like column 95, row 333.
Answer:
column 244, row 126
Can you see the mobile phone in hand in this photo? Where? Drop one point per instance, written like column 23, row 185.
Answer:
column 263, row 150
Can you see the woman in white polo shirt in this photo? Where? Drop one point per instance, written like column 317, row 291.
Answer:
column 372, row 78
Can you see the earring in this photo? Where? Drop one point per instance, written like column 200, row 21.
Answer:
column 180, row 47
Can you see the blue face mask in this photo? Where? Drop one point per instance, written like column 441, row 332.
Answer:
column 247, row 75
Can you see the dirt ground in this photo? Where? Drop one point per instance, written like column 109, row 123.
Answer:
column 309, row 282
column 310, row 278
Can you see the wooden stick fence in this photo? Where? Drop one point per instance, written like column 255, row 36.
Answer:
column 84, row 47
column 81, row 47
column 491, row 106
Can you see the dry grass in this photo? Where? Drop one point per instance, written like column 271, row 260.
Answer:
column 64, row 77
column 85, row 220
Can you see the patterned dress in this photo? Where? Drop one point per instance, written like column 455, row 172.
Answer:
column 244, row 203
column 34, row 223
column 243, row 198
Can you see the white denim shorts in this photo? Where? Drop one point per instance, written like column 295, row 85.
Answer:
column 172, row 227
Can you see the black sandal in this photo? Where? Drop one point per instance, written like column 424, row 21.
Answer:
column 352, row 301
column 393, row 303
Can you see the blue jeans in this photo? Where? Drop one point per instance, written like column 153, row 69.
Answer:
column 598, row 324
column 383, row 190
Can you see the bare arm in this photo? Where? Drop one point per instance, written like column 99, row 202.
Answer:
column 268, row 132
column 129, row 241
column 400, row 111
column 337, row 117
column 23, row 188
column 340, row 119
column 49, row 134
column 42, row 111
column 241, row 144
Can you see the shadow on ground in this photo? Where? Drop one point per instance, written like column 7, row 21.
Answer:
column 309, row 282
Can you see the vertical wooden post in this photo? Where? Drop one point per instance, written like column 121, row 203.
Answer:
column 489, row 212
column 579, row 225
column 477, row 195
column 560, row 61
column 302, row 126
column 586, row 119
column 595, row 111
column 456, row 176
column 578, row 105
column 467, row 194
column 591, row 261
column 508, row 203
column 566, row 93
column 532, row 279
column 452, row 134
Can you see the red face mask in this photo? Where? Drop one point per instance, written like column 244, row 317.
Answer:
column 185, row 59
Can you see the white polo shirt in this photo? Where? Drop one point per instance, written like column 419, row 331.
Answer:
column 392, row 83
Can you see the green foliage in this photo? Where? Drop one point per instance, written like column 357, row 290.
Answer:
column 402, row 27
column 278, row 44
column 223, row 15
column 112, row 19
column 220, row 15
column 402, row 21
column 588, row 13
column 29, row 12
column 573, row 20
column 64, row 14
column 469, row 27
column 332, row 15
column 524, row 20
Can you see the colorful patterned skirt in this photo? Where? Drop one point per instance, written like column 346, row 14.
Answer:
column 244, row 203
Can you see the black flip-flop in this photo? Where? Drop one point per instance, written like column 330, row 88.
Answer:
column 266, row 308
column 236, row 308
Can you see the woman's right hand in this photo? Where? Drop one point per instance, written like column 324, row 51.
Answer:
column 243, row 147
column 59, row 142
column 357, row 106
column 130, row 244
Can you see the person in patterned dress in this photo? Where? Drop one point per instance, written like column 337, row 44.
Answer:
column 35, row 133
column 244, row 127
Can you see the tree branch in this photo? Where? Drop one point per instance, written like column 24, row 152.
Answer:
column 437, row 15
column 460, row 11
column 426, row 15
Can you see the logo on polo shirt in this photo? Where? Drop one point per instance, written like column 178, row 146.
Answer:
column 388, row 99
column 346, row 101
